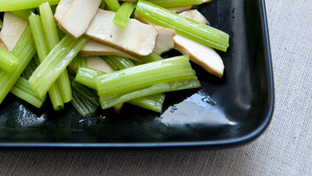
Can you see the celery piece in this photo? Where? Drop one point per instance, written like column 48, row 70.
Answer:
column 76, row 63
column 102, row 6
column 151, row 58
column 24, row 14
column 23, row 90
column 152, row 102
column 24, row 50
column 42, row 51
column 182, row 84
column 142, row 76
column 84, row 100
column 31, row 67
column 123, row 14
column 13, row 5
column 118, row 62
column 184, row 26
column 8, row 62
column 55, row 63
column 52, row 39
column 112, row 5
column 175, row 3
column 86, row 76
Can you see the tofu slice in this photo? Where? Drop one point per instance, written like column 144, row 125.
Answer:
column 3, row 45
column 94, row 48
column 200, row 54
column 164, row 41
column 61, row 9
column 195, row 15
column 12, row 29
column 137, row 38
column 98, row 63
column 78, row 18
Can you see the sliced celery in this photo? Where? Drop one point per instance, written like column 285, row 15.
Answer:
column 84, row 100
column 112, row 5
column 182, row 84
column 52, row 39
column 24, row 50
column 102, row 6
column 55, row 63
column 118, row 62
column 123, row 14
column 86, row 76
column 12, row 5
column 76, row 63
column 31, row 67
column 184, row 26
column 24, row 14
column 142, row 76
column 151, row 102
column 42, row 51
column 8, row 62
column 151, row 58
column 175, row 3
column 23, row 90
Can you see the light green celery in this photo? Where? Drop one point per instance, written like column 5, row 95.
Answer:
column 123, row 14
column 76, row 63
column 190, row 83
column 86, row 76
column 184, row 26
column 151, row 58
column 84, row 100
column 175, row 3
column 8, row 62
column 12, row 5
column 23, row 90
column 42, row 51
column 142, row 76
column 24, row 14
column 118, row 62
column 52, row 39
column 151, row 102
column 112, row 5
column 31, row 67
column 24, row 50
column 55, row 63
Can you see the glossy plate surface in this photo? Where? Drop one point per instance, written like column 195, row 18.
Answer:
column 224, row 112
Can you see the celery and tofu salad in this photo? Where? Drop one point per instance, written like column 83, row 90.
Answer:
column 104, row 53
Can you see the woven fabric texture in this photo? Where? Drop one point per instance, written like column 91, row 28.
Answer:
column 284, row 149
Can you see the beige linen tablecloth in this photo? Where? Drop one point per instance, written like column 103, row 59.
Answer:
column 284, row 149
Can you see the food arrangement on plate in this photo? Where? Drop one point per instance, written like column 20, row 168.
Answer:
column 103, row 53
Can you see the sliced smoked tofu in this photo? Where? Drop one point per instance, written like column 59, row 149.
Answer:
column 94, row 48
column 200, row 54
column 61, row 9
column 78, row 18
column 12, row 29
column 98, row 63
column 195, row 15
column 164, row 41
column 137, row 38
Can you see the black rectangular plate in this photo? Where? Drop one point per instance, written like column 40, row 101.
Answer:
column 225, row 112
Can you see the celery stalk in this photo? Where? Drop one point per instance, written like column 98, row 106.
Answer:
column 76, row 63
column 31, row 67
column 175, row 3
column 24, row 50
column 12, row 5
column 190, row 83
column 102, row 6
column 118, row 62
column 52, row 38
column 23, row 90
column 86, row 76
column 55, row 63
column 112, row 5
column 143, row 76
column 42, row 51
column 152, row 102
column 123, row 14
column 184, row 26
column 151, row 58
column 8, row 62
column 84, row 100
column 24, row 14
